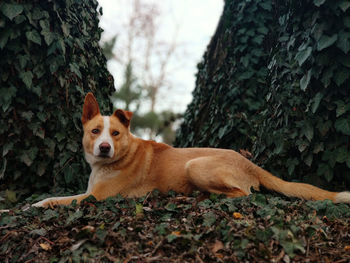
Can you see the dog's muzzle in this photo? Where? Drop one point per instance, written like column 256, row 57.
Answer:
column 105, row 148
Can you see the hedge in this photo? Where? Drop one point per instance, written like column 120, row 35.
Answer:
column 49, row 59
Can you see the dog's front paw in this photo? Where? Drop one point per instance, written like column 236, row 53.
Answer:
column 44, row 203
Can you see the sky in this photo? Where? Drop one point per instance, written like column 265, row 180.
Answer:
column 190, row 22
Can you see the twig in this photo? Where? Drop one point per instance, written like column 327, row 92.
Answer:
column 199, row 258
column 144, row 201
column 157, row 246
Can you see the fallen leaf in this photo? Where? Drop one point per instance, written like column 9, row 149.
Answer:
column 347, row 248
column 89, row 228
column 237, row 215
column 78, row 244
column 45, row 246
column 150, row 243
column 63, row 240
column 218, row 245
column 218, row 255
column 176, row 233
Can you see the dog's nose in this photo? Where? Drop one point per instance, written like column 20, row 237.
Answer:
column 105, row 147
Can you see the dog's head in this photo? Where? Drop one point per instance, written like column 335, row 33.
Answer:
column 106, row 138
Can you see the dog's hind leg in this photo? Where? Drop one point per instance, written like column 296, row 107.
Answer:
column 212, row 174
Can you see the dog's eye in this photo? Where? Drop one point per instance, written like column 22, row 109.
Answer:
column 95, row 131
column 115, row 133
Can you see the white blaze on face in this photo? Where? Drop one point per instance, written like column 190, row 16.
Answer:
column 105, row 137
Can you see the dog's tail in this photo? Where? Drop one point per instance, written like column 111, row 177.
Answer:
column 301, row 190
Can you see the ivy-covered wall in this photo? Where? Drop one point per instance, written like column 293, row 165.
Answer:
column 49, row 60
column 292, row 107
column 232, row 78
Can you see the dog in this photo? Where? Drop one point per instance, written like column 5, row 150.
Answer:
column 124, row 164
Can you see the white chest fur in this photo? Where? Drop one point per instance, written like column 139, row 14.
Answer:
column 99, row 174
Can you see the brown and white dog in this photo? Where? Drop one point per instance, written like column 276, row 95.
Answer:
column 124, row 164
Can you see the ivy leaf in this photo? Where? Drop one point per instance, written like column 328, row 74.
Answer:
column 309, row 131
column 6, row 148
column 4, row 36
column 302, row 145
column 34, row 36
column 346, row 21
column 27, row 78
column 23, row 59
column 341, row 75
column 41, row 169
column 259, row 200
column 38, row 232
column 27, row 115
column 49, row 214
column 264, row 235
column 7, row 95
column 246, row 75
column 65, row 29
column 101, row 233
column 342, row 154
column 171, row 237
column 308, row 160
column 73, row 216
column 326, row 76
column 325, row 171
column 75, row 69
column 3, row 168
column 305, row 80
column 318, row 3
column 343, row 42
column 303, row 55
column 291, row 163
column 263, row 30
column 344, row 5
column 209, row 219
column 26, row 159
column 266, row 5
column 139, row 209
column 326, row 41
column 342, row 108
column 319, row 147
column 11, row 10
column 317, row 100
column 342, row 125
column 49, row 37
column 337, row 210
column 222, row 131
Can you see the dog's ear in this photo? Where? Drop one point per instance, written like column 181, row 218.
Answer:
column 124, row 116
column 90, row 108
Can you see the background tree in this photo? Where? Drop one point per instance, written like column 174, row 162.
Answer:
column 146, row 63
column 49, row 60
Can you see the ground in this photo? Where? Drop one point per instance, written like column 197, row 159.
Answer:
column 177, row 228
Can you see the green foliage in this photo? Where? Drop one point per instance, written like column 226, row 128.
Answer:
column 275, row 80
column 107, row 48
column 169, row 228
column 131, row 95
column 305, row 128
column 49, row 60
column 232, row 79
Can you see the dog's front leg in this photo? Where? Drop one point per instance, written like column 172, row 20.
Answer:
column 66, row 200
